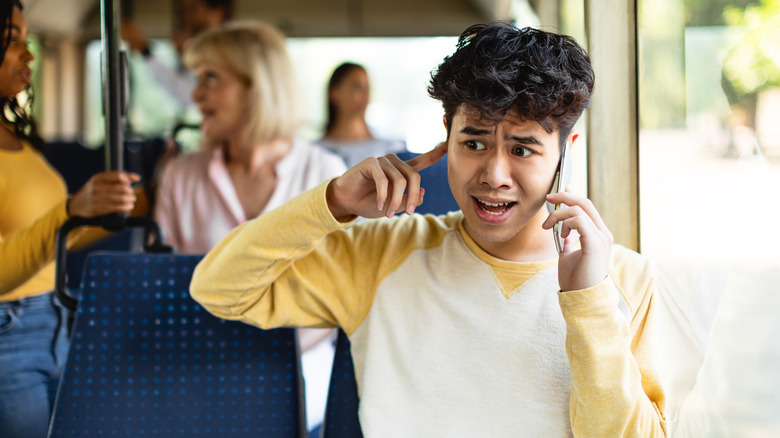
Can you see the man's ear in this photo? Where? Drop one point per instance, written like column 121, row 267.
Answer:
column 446, row 128
column 573, row 136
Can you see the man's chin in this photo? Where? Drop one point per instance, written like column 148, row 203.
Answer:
column 488, row 233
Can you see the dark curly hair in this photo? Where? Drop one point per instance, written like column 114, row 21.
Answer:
column 18, row 115
column 497, row 68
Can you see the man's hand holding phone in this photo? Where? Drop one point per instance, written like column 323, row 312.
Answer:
column 380, row 186
column 562, row 180
column 584, row 265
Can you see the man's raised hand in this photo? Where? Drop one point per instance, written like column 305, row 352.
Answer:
column 586, row 266
column 380, row 186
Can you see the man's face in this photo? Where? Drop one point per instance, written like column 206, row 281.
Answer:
column 499, row 174
column 196, row 16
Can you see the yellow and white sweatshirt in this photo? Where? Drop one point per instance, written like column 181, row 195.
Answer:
column 446, row 339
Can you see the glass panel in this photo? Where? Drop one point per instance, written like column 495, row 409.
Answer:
column 709, row 105
column 709, row 151
column 153, row 112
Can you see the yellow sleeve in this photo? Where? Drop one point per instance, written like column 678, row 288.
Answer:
column 298, row 266
column 27, row 251
column 617, row 390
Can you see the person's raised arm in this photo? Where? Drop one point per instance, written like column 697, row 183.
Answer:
column 25, row 252
column 616, row 389
column 300, row 265
column 375, row 187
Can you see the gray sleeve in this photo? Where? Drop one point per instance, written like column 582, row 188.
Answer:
column 179, row 83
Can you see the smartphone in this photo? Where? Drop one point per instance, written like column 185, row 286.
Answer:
column 562, row 179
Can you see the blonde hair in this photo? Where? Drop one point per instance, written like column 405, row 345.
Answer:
column 256, row 52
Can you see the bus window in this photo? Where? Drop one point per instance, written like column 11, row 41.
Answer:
column 709, row 102
column 400, row 107
column 152, row 113
column 709, row 149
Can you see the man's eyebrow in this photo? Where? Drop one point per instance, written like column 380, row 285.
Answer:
column 473, row 130
column 524, row 140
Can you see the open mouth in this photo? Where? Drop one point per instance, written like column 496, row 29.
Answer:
column 494, row 208
column 26, row 74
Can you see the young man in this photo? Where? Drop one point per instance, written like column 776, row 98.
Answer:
column 469, row 324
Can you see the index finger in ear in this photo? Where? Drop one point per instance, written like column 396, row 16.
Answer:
column 425, row 160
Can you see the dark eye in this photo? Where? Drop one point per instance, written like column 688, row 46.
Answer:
column 521, row 151
column 211, row 77
column 475, row 145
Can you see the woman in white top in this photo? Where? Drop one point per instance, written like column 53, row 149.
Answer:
column 346, row 131
column 246, row 93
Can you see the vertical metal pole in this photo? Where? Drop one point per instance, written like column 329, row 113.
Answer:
column 112, row 83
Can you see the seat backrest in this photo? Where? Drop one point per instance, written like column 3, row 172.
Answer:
column 147, row 360
column 438, row 196
column 341, row 410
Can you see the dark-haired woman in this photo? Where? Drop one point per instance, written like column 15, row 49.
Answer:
column 33, row 205
column 346, row 132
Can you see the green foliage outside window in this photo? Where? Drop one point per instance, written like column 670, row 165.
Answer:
column 753, row 64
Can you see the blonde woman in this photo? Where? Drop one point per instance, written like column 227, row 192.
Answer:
column 250, row 162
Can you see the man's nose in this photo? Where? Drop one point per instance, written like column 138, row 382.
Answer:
column 496, row 172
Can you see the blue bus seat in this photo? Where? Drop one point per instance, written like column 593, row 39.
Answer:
column 438, row 196
column 147, row 360
column 341, row 409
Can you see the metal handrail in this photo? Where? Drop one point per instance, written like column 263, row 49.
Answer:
column 110, row 223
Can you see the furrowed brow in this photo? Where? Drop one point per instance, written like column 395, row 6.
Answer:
column 524, row 140
column 472, row 130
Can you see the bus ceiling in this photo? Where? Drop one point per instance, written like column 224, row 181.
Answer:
column 80, row 19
